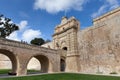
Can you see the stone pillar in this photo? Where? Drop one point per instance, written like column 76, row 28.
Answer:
column 14, row 67
column 72, row 63
column 22, row 71
column 50, row 69
column 54, row 67
column 72, row 59
column 56, row 63
column 23, row 60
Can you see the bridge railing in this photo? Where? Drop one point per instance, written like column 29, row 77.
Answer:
column 24, row 45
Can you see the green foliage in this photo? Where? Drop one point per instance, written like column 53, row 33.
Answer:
column 113, row 73
column 6, row 26
column 64, row 76
column 37, row 41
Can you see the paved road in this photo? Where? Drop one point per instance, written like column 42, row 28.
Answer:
column 29, row 74
column 6, row 75
column 36, row 73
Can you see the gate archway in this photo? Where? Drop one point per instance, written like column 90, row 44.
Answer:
column 62, row 65
column 63, row 59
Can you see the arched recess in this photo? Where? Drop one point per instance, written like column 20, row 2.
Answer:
column 43, row 62
column 63, row 59
column 64, row 48
column 12, row 58
column 64, row 51
column 62, row 64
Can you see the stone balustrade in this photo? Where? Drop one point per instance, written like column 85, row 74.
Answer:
column 24, row 45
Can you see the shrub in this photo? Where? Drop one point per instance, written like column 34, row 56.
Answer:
column 113, row 73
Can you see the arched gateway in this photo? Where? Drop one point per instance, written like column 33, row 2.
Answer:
column 65, row 38
column 20, row 54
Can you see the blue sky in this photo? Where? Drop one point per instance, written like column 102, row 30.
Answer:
column 38, row 18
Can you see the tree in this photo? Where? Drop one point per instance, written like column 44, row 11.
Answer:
column 6, row 26
column 37, row 41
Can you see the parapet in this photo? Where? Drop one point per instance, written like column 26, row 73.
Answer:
column 107, row 16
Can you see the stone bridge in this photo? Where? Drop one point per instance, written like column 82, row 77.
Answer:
column 20, row 54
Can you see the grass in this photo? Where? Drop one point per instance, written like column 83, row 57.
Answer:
column 64, row 76
column 33, row 71
column 4, row 71
column 60, row 76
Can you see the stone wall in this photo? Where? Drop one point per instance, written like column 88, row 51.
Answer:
column 48, row 45
column 5, row 62
column 99, row 45
column 34, row 64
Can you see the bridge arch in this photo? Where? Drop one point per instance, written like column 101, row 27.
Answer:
column 12, row 58
column 45, row 63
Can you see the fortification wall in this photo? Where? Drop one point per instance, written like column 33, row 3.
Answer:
column 99, row 45
column 48, row 45
column 5, row 62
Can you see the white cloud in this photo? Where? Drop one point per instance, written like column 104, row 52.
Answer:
column 14, row 36
column 113, row 3
column 55, row 6
column 25, row 33
column 30, row 34
column 23, row 24
column 101, row 10
column 17, row 34
column 108, row 5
